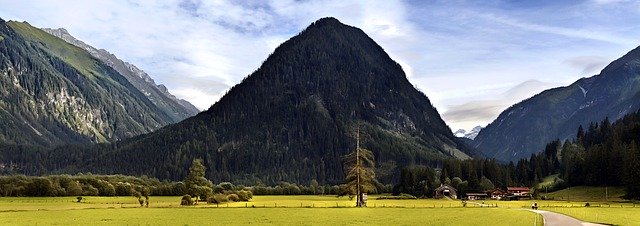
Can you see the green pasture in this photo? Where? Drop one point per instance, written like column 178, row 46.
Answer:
column 272, row 216
column 614, row 215
column 585, row 193
column 262, row 210
column 301, row 210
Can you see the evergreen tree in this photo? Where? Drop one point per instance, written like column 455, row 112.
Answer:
column 197, row 185
column 360, row 175
column 632, row 172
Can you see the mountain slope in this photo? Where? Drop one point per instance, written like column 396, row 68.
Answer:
column 54, row 93
column 526, row 127
column 296, row 116
column 177, row 109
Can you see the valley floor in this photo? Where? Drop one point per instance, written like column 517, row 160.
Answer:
column 297, row 210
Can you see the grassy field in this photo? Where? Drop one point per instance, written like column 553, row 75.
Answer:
column 301, row 210
column 315, row 210
column 548, row 181
column 584, row 193
column 613, row 215
column 272, row 216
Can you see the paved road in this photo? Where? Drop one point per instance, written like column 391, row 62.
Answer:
column 556, row 219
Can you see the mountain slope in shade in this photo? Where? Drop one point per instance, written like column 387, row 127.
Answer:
column 54, row 93
column 528, row 126
column 295, row 118
column 177, row 109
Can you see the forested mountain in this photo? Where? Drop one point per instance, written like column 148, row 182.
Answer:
column 526, row 127
column 177, row 109
column 293, row 119
column 605, row 154
column 52, row 93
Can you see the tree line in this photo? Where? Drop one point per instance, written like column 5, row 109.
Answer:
column 604, row 154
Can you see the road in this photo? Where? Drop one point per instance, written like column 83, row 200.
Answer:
column 556, row 219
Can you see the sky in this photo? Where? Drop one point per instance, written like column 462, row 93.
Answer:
column 473, row 59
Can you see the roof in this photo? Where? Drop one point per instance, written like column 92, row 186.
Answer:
column 477, row 194
column 495, row 190
column 518, row 189
column 444, row 186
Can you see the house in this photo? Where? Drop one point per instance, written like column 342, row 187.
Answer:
column 477, row 196
column 496, row 193
column 446, row 191
column 518, row 191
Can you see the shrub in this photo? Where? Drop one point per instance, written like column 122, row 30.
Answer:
column 244, row 195
column 226, row 186
column 233, row 197
column 123, row 189
column 401, row 196
column 74, row 188
column 186, row 200
column 89, row 190
column 217, row 199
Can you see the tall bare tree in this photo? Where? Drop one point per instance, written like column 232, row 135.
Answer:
column 361, row 177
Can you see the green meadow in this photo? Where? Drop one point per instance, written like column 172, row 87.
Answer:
column 301, row 210
column 262, row 210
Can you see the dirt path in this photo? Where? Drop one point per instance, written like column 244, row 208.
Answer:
column 556, row 219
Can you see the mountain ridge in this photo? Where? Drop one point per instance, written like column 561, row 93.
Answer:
column 295, row 117
column 526, row 127
column 54, row 93
column 158, row 94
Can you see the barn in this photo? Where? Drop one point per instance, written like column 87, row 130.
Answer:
column 446, row 191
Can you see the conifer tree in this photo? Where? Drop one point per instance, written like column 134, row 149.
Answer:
column 197, row 185
column 361, row 177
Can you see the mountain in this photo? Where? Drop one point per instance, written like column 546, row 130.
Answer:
column 526, row 127
column 53, row 93
column 293, row 119
column 177, row 109
column 469, row 135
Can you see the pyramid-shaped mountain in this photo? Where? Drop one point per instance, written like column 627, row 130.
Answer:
column 528, row 126
column 295, row 118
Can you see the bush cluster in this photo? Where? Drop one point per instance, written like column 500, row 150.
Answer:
column 87, row 185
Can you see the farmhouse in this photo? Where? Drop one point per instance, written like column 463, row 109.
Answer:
column 446, row 191
column 518, row 191
column 497, row 193
column 477, row 196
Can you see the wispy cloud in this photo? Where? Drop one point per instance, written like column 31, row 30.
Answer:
column 590, row 65
column 463, row 54
column 481, row 112
column 569, row 32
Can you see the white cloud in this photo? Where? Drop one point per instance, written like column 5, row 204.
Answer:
column 590, row 65
column 481, row 112
column 457, row 52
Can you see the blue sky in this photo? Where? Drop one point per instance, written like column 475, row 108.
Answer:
column 473, row 59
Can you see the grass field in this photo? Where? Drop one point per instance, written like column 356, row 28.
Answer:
column 548, row 181
column 315, row 210
column 584, row 193
column 613, row 215
column 300, row 210
column 272, row 216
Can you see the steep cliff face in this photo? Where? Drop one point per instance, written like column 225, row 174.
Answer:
column 177, row 109
column 528, row 126
column 53, row 93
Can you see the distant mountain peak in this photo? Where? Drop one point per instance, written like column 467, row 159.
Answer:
column 295, row 117
column 177, row 109
column 327, row 21
column 470, row 135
